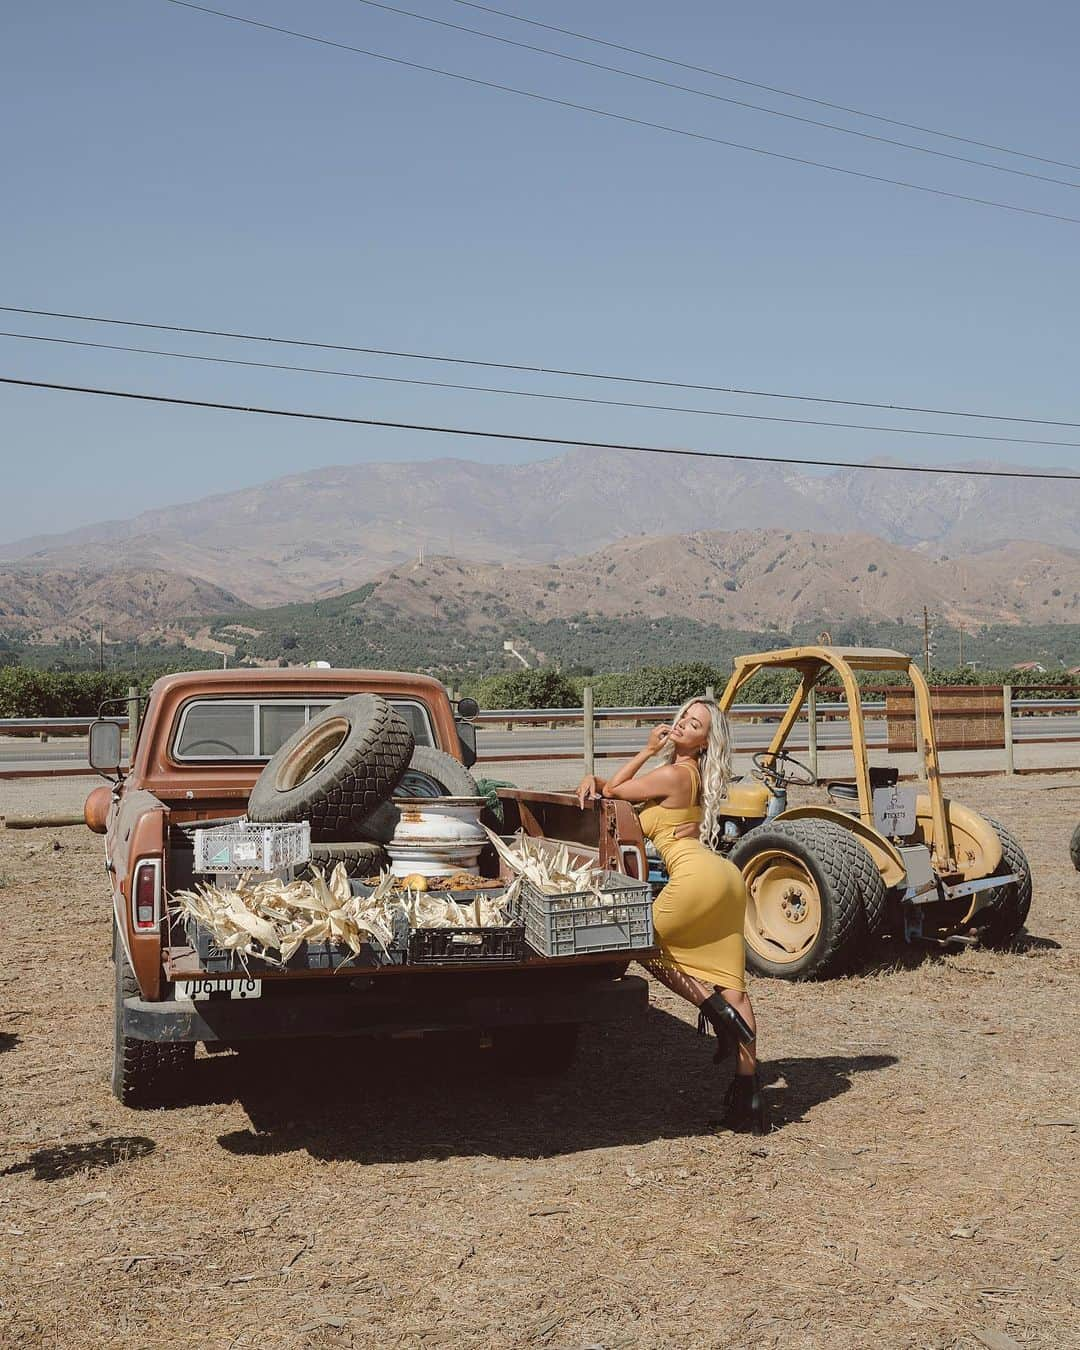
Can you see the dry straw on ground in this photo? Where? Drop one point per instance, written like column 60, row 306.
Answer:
column 920, row 1190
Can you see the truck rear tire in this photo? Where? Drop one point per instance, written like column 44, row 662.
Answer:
column 535, row 1051
column 145, row 1074
column 1001, row 922
column 431, row 773
column 335, row 770
column 805, row 915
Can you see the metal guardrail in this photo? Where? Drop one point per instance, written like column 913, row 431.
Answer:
column 509, row 717
column 53, row 725
column 497, row 716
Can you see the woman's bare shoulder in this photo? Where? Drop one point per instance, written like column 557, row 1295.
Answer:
column 664, row 781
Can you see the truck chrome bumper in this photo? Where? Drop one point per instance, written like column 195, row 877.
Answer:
column 346, row 1013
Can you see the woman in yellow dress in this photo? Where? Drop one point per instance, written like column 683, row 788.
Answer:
column 698, row 916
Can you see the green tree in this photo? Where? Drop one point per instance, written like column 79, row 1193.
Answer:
column 529, row 689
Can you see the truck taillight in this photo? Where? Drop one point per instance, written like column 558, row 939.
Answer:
column 146, row 896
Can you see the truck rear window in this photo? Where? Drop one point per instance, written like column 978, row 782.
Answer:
column 252, row 729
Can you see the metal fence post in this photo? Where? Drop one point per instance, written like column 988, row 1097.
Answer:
column 811, row 729
column 589, row 728
column 133, row 719
column 1006, row 708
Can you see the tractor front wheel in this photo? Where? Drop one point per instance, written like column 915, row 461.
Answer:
column 804, row 907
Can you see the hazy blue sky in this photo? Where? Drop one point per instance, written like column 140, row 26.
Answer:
column 163, row 164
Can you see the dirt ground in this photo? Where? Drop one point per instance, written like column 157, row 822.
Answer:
column 919, row 1188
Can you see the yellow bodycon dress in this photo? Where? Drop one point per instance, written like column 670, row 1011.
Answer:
column 698, row 916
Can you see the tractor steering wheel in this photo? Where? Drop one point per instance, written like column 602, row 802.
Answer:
column 773, row 768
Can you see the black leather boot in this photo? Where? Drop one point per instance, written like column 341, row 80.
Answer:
column 729, row 1024
column 744, row 1111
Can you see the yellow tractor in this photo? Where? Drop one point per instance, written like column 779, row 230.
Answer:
column 825, row 881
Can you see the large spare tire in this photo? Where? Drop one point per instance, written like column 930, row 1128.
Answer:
column 360, row 858
column 335, row 770
column 431, row 773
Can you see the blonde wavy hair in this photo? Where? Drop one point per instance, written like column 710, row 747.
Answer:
column 714, row 763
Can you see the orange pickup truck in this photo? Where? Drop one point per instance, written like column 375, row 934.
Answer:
column 201, row 743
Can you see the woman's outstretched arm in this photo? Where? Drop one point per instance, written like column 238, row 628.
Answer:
column 625, row 785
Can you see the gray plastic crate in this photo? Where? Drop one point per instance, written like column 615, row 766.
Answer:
column 568, row 925
column 244, row 846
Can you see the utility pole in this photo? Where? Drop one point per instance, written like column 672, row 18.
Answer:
column 101, row 646
column 926, row 639
column 961, row 631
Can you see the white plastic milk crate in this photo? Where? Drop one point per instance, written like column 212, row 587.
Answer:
column 568, row 925
column 243, row 846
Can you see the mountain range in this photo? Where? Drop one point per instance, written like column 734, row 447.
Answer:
column 329, row 530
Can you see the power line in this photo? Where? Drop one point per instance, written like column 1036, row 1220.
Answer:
column 716, row 98
column 524, row 368
column 769, row 88
column 532, row 439
column 530, row 393
column 626, row 117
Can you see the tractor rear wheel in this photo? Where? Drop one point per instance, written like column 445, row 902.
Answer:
column 805, row 914
column 1074, row 848
column 1000, row 922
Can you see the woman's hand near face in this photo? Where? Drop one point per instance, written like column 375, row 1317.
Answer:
column 657, row 739
column 588, row 789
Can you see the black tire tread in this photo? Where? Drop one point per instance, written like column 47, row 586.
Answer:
column 349, row 786
column 1000, row 925
column 145, row 1074
column 1074, row 848
column 840, row 858
column 361, row 859
column 872, row 889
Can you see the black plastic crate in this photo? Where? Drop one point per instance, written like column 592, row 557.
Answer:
column 465, row 946
column 308, row 956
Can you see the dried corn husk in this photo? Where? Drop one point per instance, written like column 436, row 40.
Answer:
column 548, row 867
column 269, row 918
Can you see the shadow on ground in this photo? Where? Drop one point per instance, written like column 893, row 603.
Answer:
column 895, row 954
column 8, row 1041
column 393, row 1103
column 66, row 1160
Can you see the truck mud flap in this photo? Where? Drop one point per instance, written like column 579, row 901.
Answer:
column 350, row 1014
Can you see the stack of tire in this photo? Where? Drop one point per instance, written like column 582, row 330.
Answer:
column 340, row 772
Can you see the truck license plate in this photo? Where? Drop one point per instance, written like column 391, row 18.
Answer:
column 197, row 990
